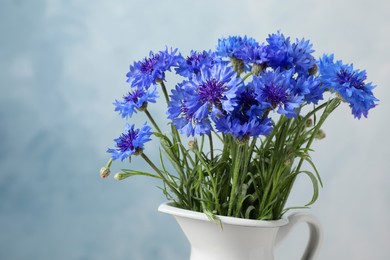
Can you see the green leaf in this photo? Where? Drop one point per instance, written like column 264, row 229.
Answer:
column 315, row 187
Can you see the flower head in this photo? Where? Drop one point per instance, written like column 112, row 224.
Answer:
column 136, row 99
column 212, row 92
column 131, row 142
column 349, row 83
column 248, row 118
column 152, row 69
column 276, row 91
column 231, row 46
column 254, row 56
column 309, row 87
column 283, row 54
column 195, row 61
column 243, row 130
column 209, row 94
column 182, row 118
column 300, row 56
column 277, row 51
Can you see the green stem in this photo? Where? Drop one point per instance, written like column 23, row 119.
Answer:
column 329, row 107
column 246, row 76
column 211, row 147
column 236, row 156
column 154, row 167
column 164, row 89
column 206, row 166
column 152, row 120
column 163, row 178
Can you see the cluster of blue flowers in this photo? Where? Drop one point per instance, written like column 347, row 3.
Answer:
column 236, row 88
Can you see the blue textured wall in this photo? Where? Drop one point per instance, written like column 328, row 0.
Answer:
column 63, row 63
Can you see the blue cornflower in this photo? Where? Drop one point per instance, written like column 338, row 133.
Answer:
column 210, row 93
column 131, row 142
column 182, row 118
column 248, row 117
column 349, row 84
column 300, row 55
column 311, row 88
column 256, row 56
column 152, row 69
column 136, row 99
column 278, row 51
column 195, row 61
column 283, row 54
column 229, row 47
column 276, row 91
column 243, row 130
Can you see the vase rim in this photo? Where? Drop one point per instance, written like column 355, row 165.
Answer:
column 168, row 208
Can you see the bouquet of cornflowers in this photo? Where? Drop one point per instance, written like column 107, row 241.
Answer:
column 249, row 113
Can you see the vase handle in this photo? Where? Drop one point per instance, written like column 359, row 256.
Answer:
column 315, row 237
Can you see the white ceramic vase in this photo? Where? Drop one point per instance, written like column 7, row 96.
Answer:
column 240, row 239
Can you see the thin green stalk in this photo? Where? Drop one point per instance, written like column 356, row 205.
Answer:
column 152, row 120
column 213, row 184
column 329, row 106
column 332, row 104
column 175, row 133
column 165, row 180
column 211, row 147
column 164, row 89
column 246, row 76
column 237, row 158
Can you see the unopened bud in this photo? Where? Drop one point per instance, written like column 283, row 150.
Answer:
column 118, row 176
column 192, row 145
column 313, row 70
column 238, row 65
column 320, row 135
column 288, row 162
column 121, row 175
column 309, row 122
column 104, row 172
column 257, row 68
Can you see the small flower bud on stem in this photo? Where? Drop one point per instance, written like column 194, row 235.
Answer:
column 313, row 70
column 238, row 65
column 105, row 170
column 120, row 176
column 257, row 68
column 320, row 135
column 309, row 122
column 192, row 145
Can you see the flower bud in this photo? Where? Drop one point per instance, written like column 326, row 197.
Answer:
column 309, row 122
column 121, row 175
column 257, row 68
column 288, row 162
column 104, row 172
column 118, row 176
column 192, row 145
column 320, row 135
column 238, row 65
column 313, row 70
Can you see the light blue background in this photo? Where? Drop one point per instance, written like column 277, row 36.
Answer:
column 62, row 64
